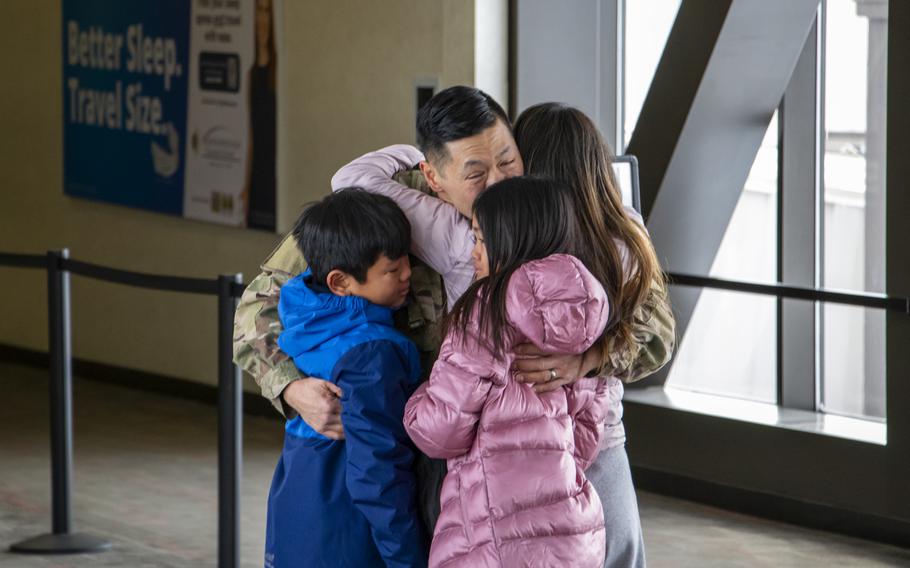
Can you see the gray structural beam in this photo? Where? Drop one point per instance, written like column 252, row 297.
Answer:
column 723, row 72
column 798, row 201
column 568, row 52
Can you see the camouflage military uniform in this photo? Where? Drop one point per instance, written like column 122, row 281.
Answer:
column 654, row 330
column 256, row 330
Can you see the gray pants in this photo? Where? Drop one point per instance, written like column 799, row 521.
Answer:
column 612, row 478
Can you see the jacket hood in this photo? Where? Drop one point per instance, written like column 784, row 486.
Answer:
column 312, row 318
column 557, row 304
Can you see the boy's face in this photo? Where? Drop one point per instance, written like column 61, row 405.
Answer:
column 387, row 284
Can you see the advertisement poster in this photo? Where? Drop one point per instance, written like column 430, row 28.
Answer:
column 170, row 106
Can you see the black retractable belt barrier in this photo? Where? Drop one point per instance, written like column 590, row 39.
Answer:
column 230, row 427
column 142, row 280
column 23, row 260
column 61, row 540
column 858, row 299
column 230, row 393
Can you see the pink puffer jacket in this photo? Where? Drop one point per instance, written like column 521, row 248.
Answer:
column 516, row 493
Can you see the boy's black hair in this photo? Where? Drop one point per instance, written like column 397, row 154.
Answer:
column 452, row 114
column 349, row 230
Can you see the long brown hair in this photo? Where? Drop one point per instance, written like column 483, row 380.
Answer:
column 559, row 141
column 522, row 219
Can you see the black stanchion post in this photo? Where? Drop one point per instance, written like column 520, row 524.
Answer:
column 61, row 540
column 61, row 391
column 230, row 428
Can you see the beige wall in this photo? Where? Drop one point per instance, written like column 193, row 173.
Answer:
column 347, row 87
column 351, row 69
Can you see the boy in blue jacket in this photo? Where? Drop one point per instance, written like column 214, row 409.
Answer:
column 351, row 502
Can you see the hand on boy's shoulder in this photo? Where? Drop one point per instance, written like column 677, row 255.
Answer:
column 318, row 403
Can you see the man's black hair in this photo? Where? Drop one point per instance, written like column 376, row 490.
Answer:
column 349, row 230
column 452, row 114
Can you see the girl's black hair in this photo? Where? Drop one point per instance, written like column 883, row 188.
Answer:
column 522, row 219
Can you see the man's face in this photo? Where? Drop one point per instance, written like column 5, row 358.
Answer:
column 473, row 164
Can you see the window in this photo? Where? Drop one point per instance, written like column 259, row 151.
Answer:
column 729, row 346
column 844, row 81
column 647, row 26
column 853, row 215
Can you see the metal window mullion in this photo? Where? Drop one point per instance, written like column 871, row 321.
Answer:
column 797, row 245
column 610, row 67
column 820, row 65
column 620, row 87
column 874, row 387
column 569, row 52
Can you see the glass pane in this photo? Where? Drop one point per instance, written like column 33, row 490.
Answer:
column 749, row 249
column 648, row 24
column 853, row 255
column 853, row 360
column 730, row 345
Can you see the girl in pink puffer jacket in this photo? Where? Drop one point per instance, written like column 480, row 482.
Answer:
column 516, row 492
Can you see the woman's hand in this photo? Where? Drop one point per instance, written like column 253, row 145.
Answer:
column 534, row 366
column 318, row 403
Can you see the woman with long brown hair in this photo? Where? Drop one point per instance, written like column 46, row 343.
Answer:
column 561, row 142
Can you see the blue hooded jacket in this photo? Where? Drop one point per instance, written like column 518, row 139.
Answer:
column 351, row 502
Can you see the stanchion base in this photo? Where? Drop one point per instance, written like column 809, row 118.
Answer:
column 68, row 543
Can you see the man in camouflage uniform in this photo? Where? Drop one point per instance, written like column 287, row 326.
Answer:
column 256, row 329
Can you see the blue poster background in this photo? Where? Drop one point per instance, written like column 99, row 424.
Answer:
column 111, row 162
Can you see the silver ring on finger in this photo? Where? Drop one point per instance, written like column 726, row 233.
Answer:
column 553, row 375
